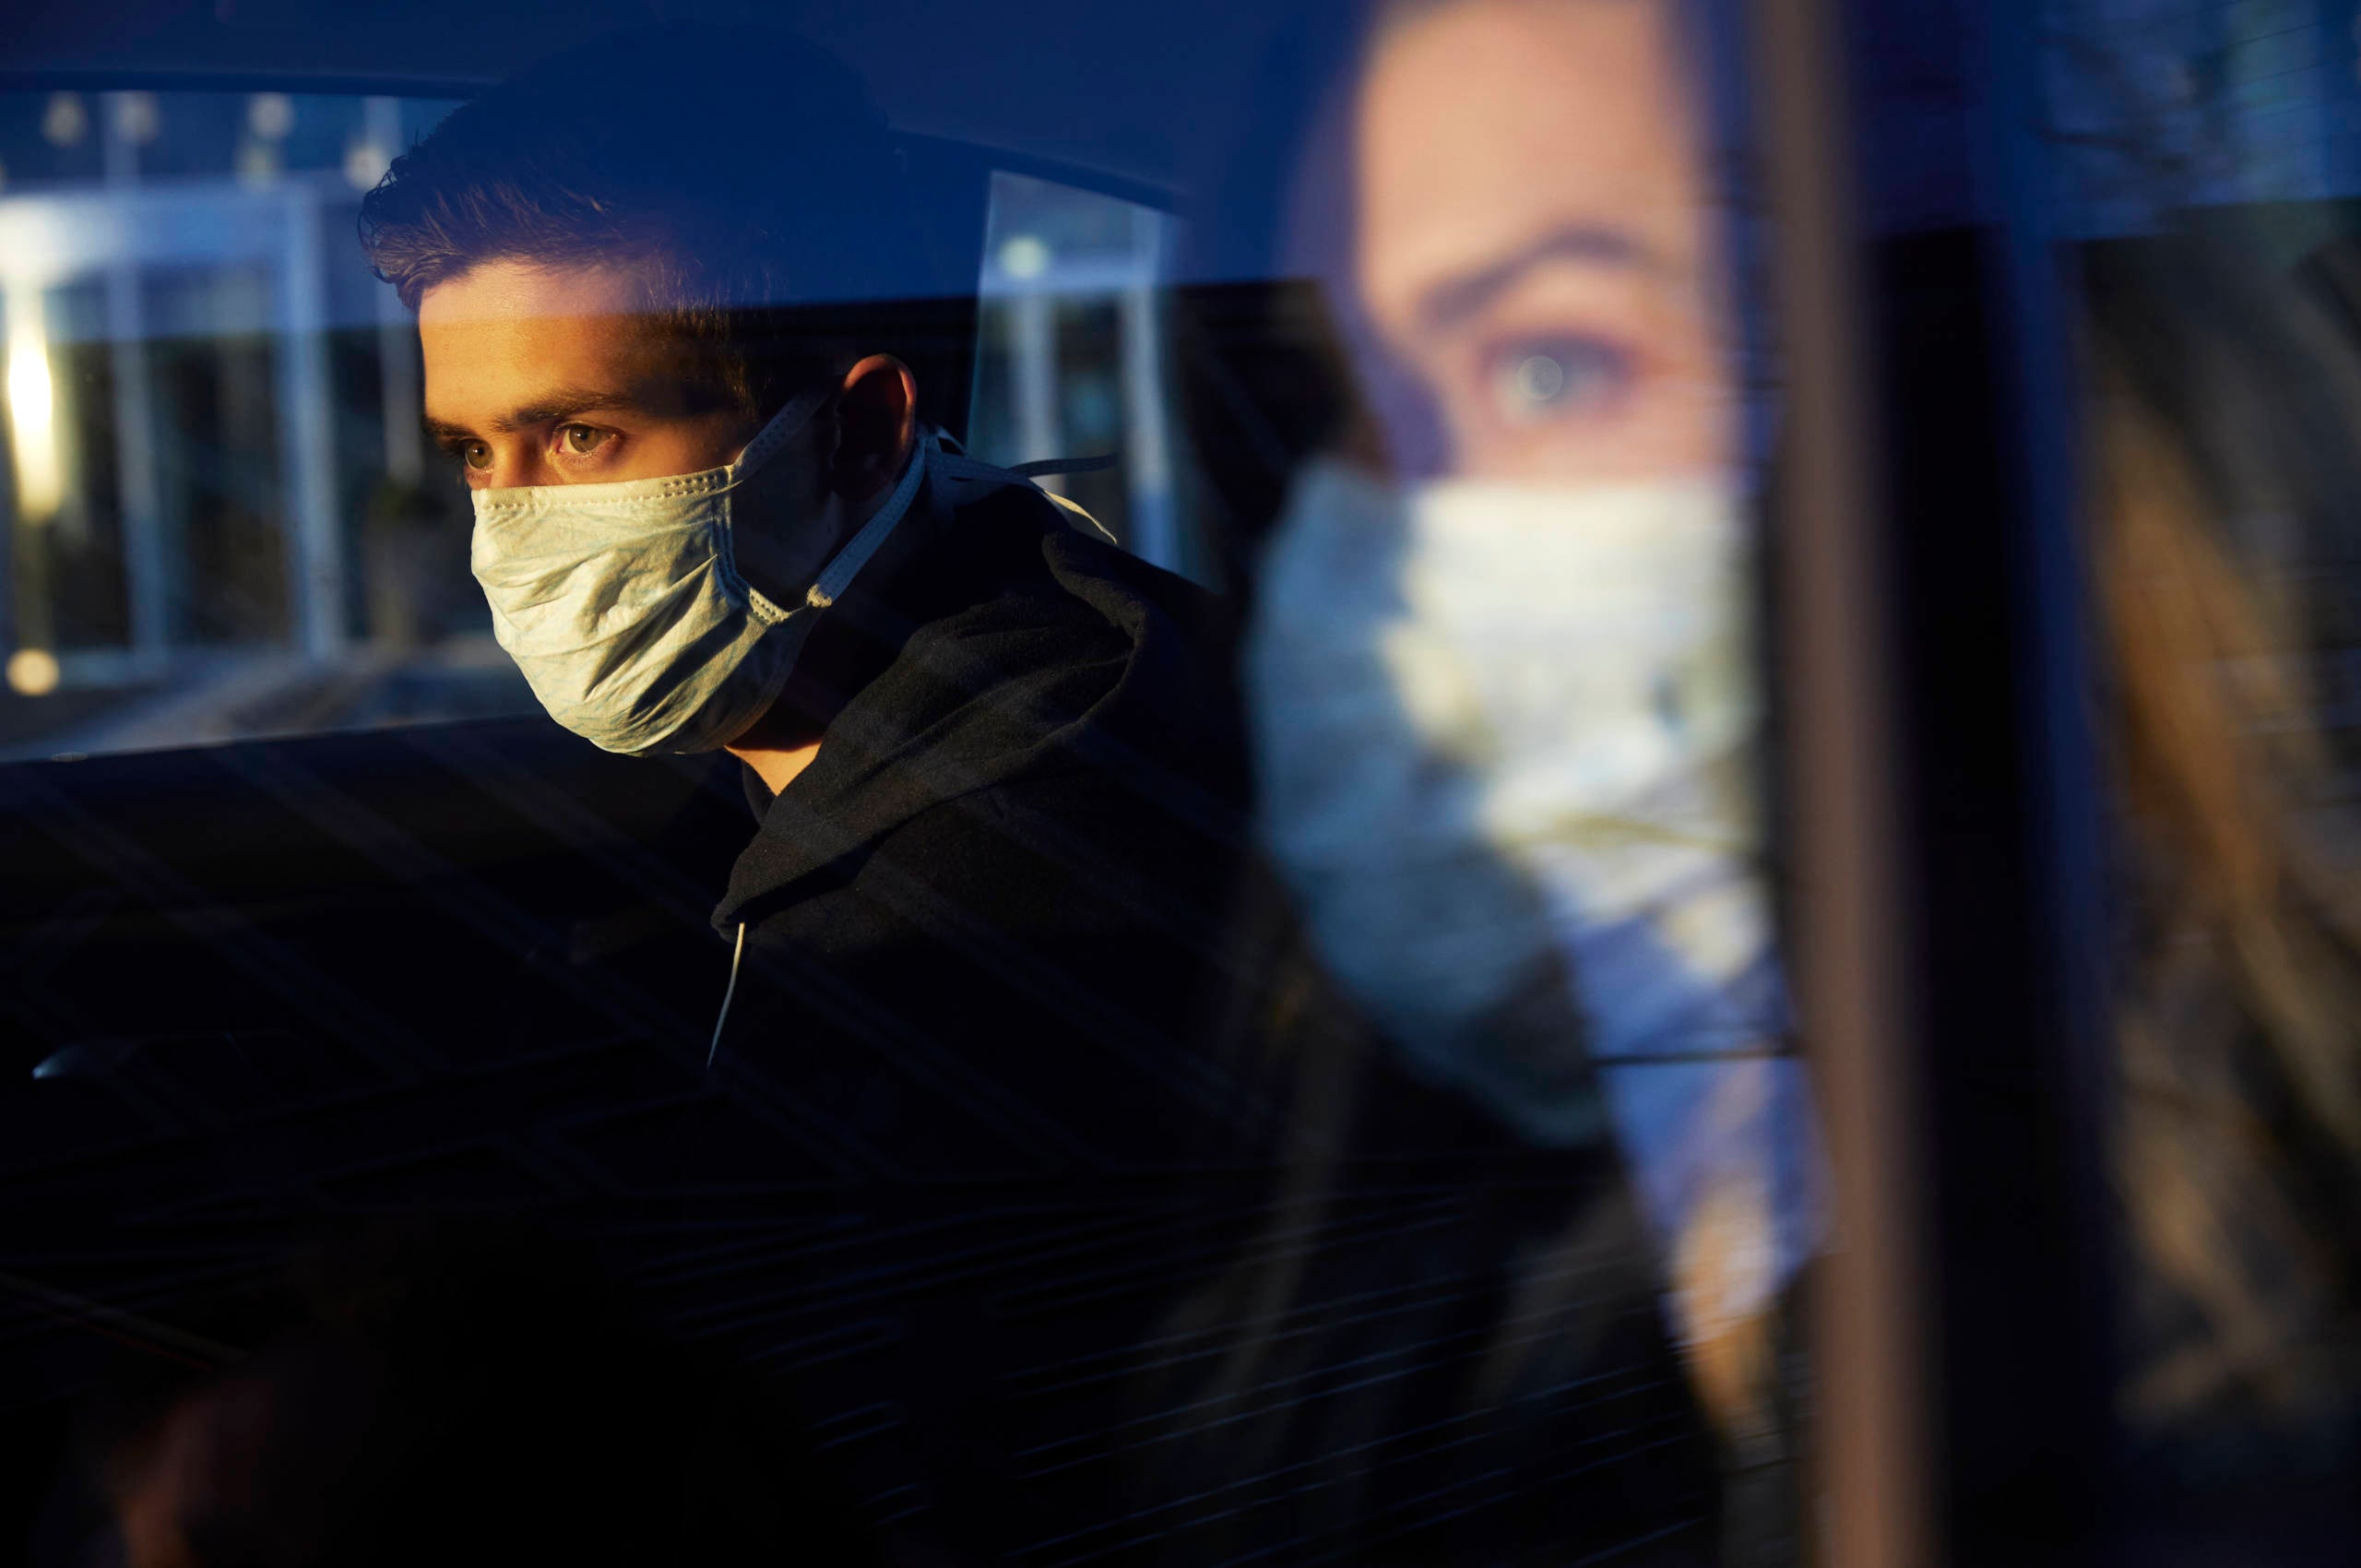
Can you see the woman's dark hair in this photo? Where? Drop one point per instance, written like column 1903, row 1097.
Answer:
column 2223, row 530
column 743, row 174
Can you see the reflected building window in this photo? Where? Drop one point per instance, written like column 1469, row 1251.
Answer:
column 220, row 521
column 1072, row 361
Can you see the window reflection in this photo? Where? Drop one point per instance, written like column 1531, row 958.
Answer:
column 221, row 519
column 1071, row 360
column 1502, row 667
column 2206, row 183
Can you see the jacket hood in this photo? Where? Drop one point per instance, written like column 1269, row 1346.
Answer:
column 1023, row 648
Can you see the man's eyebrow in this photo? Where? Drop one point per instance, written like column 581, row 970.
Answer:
column 565, row 403
column 1456, row 300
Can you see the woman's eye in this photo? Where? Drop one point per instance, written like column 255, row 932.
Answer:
column 476, row 455
column 581, row 440
column 1547, row 378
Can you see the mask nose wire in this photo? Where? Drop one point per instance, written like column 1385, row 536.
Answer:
column 736, row 953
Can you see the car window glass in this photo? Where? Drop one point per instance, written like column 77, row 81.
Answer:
column 224, row 520
column 1305, row 1069
column 1073, row 360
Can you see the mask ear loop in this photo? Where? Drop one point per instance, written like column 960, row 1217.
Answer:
column 783, row 426
column 839, row 574
column 736, row 953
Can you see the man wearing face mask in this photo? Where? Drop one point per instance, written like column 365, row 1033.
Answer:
column 989, row 765
column 659, row 280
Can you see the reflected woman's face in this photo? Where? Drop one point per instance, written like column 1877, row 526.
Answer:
column 1536, row 244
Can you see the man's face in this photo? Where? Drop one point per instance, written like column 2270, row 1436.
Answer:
column 556, row 375
column 1535, row 239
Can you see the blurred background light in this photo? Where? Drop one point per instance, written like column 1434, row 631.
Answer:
column 138, row 117
column 270, row 115
column 64, row 122
column 32, row 413
column 1025, row 256
column 32, row 671
column 366, row 163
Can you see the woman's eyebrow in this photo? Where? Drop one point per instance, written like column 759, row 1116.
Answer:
column 1456, row 299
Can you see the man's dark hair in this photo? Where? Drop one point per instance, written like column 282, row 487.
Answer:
column 742, row 174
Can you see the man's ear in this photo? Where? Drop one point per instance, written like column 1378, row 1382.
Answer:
column 876, row 426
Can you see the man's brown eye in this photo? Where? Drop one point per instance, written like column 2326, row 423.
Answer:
column 476, row 455
column 582, row 439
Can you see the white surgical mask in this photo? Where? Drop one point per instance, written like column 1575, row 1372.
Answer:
column 1504, row 731
column 623, row 605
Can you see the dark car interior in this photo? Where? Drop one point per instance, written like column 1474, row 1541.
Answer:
column 262, row 991
column 257, row 993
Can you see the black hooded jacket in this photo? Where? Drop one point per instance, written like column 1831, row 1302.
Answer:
column 982, row 948
column 995, row 895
